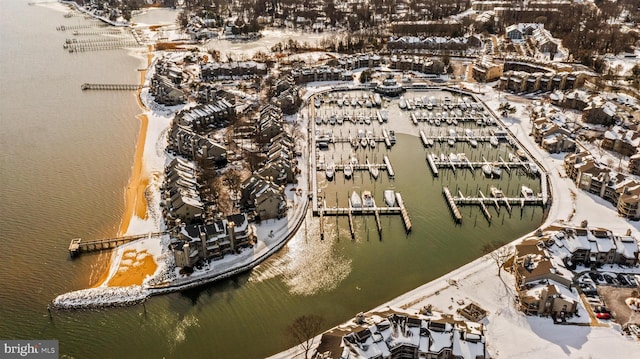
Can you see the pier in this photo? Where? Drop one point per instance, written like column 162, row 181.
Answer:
column 452, row 204
column 387, row 164
column 78, row 246
column 432, row 165
column 483, row 201
column 110, row 87
column 323, row 211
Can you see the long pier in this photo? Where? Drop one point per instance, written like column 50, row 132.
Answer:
column 110, row 87
column 78, row 246
column 452, row 204
column 432, row 164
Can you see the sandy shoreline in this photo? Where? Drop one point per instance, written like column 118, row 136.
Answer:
column 135, row 205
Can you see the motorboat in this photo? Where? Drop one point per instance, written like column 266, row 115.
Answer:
column 486, row 169
column 368, row 103
column 496, row 192
column 355, row 143
column 392, row 137
column 437, row 122
column 372, row 143
column 330, row 170
column 317, row 102
column 473, row 142
column 494, row 141
column 332, row 120
column 385, row 115
column 367, row 121
column 496, row 171
column 455, row 122
column 340, row 120
column 453, row 157
column 390, row 198
column 377, row 100
column 430, row 142
column 367, row 199
column 364, row 142
column 374, row 171
column 527, row 192
column 348, row 170
column 402, row 103
column 451, row 142
column 356, row 202
column 318, row 121
column 533, row 169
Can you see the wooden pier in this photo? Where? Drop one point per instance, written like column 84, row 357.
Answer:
column 78, row 246
column 387, row 164
column 351, row 211
column 452, row 204
column 432, row 165
column 110, row 87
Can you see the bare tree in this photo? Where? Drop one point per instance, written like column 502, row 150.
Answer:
column 304, row 329
column 499, row 255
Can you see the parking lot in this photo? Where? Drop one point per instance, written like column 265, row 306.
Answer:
column 614, row 298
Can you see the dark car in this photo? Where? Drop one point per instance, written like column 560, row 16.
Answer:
column 622, row 279
column 608, row 279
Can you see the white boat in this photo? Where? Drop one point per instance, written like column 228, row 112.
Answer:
column 390, row 198
column 372, row 143
column 348, row 170
column 486, row 169
column 494, row 141
column 451, row 142
column 367, row 199
column 453, row 157
column 340, row 102
column 367, row 121
column 377, row 100
column 392, row 137
column 317, row 102
column 403, row 103
column 330, row 171
column 364, row 142
column 430, row 142
column 385, row 115
column 496, row 171
column 495, row 192
column 318, row 121
column 374, row 171
column 468, row 132
column 443, row 157
column 473, row 142
column 354, row 102
column 340, row 120
column 533, row 169
column 437, row 122
column 356, row 202
column 368, row 104
column 332, row 120
column 527, row 192
column 455, row 122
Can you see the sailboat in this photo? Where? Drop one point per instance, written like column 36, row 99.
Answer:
column 356, row 202
column 330, row 171
column 390, row 198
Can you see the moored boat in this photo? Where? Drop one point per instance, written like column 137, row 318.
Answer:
column 356, row 202
column 473, row 142
column 330, row 171
column 496, row 192
column 527, row 192
column 494, row 141
column 348, row 170
column 390, row 198
column 367, row 199
column 392, row 137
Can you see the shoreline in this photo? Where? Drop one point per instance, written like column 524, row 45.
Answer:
column 135, row 202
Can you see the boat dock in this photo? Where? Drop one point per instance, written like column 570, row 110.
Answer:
column 387, row 140
column 323, row 211
column 387, row 164
column 78, row 246
column 452, row 204
column 483, row 201
column 111, row 87
column 432, row 164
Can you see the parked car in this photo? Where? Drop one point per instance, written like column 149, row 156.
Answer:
column 608, row 278
column 631, row 280
column 603, row 315
column 622, row 279
column 601, row 309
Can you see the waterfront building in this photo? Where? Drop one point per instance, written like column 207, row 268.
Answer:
column 526, row 82
column 354, row 62
column 621, row 140
column 551, row 136
column 403, row 336
column 214, row 240
column 207, row 151
column 424, row 64
column 485, row 70
column 213, row 71
column 263, row 197
column 181, row 192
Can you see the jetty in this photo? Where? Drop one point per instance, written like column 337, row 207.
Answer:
column 78, row 246
column 110, row 87
column 432, row 164
column 387, row 164
column 452, row 204
column 350, row 211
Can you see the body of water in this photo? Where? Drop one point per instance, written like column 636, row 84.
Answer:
column 65, row 161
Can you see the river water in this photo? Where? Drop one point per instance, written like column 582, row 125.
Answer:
column 65, row 159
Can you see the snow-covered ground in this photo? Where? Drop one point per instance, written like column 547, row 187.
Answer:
column 510, row 333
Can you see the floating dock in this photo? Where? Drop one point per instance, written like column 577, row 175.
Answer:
column 432, row 165
column 452, row 204
column 387, row 164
